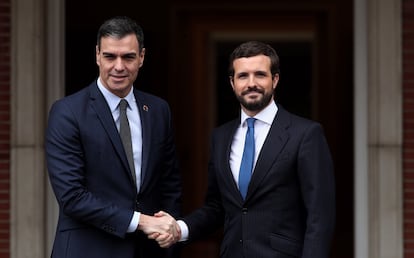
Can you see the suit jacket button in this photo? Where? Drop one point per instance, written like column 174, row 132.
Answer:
column 244, row 210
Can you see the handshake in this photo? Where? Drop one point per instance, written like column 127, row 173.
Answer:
column 161, row 227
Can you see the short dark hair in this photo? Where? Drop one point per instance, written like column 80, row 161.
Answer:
column 254, row 48
column 119, row 27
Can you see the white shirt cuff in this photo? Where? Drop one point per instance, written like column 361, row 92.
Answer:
column 133, row 225
column 184, row 230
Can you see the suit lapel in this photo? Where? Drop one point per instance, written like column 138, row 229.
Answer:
column 274, row 143
column 144, row 114
column 228, row 174
column 98, row 103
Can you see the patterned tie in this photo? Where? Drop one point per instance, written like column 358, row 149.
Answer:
column 246, row 166
column 125, row 133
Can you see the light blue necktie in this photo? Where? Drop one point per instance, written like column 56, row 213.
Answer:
column 246, row 166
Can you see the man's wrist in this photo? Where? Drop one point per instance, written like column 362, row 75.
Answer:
column 183, row 231
column 134, row 223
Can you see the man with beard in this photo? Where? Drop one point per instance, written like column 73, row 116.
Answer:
column 280, row 202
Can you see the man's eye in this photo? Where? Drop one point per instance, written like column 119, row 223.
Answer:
column 261, row 75
column 109, row 57
column 129, row 57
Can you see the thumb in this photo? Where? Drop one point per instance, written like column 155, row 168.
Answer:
column 159, row 214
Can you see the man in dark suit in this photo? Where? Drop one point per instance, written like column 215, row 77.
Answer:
column 106, row 202
column 284, row 206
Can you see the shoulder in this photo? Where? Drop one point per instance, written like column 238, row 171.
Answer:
column 75, row 105
column 83, row 94
column 297, row 126
column 288, row 119
column 152, row 104
column 146, row 98
column 225, row 131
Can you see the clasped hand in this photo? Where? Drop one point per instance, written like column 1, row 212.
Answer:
column 161, row 227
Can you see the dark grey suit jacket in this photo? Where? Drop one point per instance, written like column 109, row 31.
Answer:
column 289, row 209
column 92, row 181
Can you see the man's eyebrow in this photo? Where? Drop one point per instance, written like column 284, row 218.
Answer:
column 130, row 54
column 125, row 54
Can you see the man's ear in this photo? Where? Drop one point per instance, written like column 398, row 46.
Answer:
column 98, row 58
column 275, row 81
column 231, row 81
column 142, row 57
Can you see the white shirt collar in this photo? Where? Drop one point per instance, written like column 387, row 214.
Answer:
column 267, row 115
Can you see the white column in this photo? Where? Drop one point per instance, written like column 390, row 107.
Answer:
column 55, row 89
column 361, row 228
column 378, row 129
column 27, row 123
column 37, row 79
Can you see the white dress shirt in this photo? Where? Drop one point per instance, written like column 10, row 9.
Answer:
column 262, row 125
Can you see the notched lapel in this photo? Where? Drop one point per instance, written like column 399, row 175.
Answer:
column 227, row 173
column 272, row 147
column 145, row 116
column 98, row 103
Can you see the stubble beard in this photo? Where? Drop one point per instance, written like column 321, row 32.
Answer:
column 256, row 105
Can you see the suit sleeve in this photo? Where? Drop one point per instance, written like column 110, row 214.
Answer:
column 66, row 167
column 315, row 171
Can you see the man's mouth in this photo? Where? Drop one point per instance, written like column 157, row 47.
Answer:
column 253, row 91
column 118, row 77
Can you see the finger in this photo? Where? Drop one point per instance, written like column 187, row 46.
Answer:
column 166, row 242
column 154, row 235
column 162, row 237
column 158, row 214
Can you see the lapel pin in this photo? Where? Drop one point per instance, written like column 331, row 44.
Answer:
column 145, row 108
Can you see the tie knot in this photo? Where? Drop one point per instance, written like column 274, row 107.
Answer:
column 123, row 104
column 250, row 122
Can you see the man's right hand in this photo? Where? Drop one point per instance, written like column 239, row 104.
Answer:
column 161, row 227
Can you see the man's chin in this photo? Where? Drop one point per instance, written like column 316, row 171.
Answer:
column 253, row 101
column 119, row 81
column 255, row 104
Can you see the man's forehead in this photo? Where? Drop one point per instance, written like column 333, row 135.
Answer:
column 254, row 63
column 129, row 39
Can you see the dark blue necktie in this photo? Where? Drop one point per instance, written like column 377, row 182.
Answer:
column 246, row 166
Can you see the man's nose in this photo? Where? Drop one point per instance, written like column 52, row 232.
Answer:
column 119, row 64
column 251, row 81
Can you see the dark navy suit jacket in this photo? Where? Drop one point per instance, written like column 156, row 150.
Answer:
column 90, row 176
column 289, row 209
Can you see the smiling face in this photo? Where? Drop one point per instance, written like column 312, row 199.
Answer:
column 119, row 61
column 253, row 83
